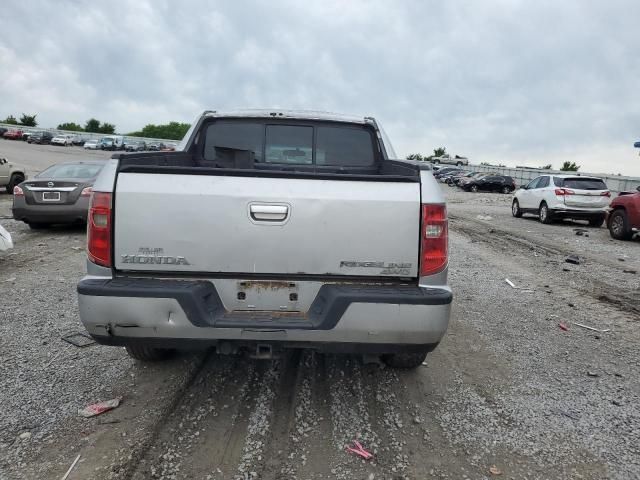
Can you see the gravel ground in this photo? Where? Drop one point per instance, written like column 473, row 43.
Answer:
column 506, row 390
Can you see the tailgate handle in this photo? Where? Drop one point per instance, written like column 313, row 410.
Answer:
column 268, row 213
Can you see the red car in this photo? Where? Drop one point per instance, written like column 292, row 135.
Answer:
column 13, row 135
column 623, row 219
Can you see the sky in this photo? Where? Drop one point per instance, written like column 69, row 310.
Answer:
column 499, row 81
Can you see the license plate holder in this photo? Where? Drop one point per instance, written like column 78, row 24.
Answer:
column 50, row 196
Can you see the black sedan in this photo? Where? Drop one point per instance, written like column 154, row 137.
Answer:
column 59, row 194
column 491, row 183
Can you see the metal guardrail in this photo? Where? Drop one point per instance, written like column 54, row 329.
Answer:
column 523, row 175
column 86, row 135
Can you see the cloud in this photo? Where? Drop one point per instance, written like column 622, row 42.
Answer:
column 501, row 81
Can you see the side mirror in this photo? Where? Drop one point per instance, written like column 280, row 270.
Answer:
column 3, row 161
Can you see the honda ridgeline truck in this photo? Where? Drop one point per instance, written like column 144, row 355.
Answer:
column 267, row 230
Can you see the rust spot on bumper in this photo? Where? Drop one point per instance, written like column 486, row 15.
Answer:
column 267, row 285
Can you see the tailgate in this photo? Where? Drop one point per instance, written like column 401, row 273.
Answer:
column 254, row 225
column 586, row 199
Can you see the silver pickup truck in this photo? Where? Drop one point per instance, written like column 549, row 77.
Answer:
column 268, row 230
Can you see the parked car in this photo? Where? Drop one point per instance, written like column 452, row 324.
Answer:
column 291, row 188
column 451, row 177
column 113, row 142
column 448, row 159
column 13, row 134
column 64, row 140
column 168, row 147
column 26, row 135
column 623, row 218
column 553, row 197
column 490, row 183
column 445, row 171
column 78, row 140
column 59, row 194
column 155, row 146
column 6, row 243
column 92, row 144
column 3, row 130
column 41, row 138
column 10, row 175
column 456, row 180
column 138, row 146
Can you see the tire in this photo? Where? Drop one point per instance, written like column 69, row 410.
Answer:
column 506, row 190
column 515, row 209
column 619, row 225
column 147, row 354
column 459, row 164
column 544, row 215
column 16, row 179
column 38, row 226
column 473, row 188
column 404, row 360
column 596, row 221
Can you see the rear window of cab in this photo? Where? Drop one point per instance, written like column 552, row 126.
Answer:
column 290, row 144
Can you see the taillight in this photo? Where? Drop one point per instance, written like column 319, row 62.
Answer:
column 564, row 191
column 99, row 229
column 434, row 243
column 18, row 192
column 606, row 194
column 86, row 192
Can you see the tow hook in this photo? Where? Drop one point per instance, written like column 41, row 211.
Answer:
column 264, row 351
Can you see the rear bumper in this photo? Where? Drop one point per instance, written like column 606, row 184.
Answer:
column 350, row 318
column 578, row 213
column 39, row 213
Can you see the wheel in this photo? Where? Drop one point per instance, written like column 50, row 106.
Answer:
column 544, row 214
column 596, row 221
column 147, row 354
column 474, row 188
column 437, row 162
column 506, row 190
column 404, row 360
column 619, row 225
column 459, row 164
column 37, row 226
column 16, row 179
column 515, row 209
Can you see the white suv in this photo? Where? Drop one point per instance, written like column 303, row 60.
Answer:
column 563, row 196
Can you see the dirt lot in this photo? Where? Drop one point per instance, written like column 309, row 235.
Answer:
column 507, row 388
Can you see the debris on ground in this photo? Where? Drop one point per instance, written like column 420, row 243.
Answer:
column 66, row 475
column 79, row 339
column 513, row 285
column 581, row 232
column 493, row 470
column 593, row 374
column 359, row 450
column 563, row 327
column 582, row 325
column 630, row 271
column 574, row 259
column 99, row 408
column 484, row 217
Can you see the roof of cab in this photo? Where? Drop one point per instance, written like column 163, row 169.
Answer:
column 297, row 114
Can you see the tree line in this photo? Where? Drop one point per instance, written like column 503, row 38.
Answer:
column 25, row 120
column 169, row 131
